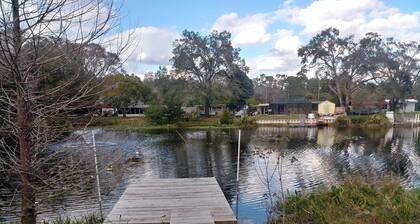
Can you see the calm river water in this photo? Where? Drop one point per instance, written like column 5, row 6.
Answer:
column 312, row 158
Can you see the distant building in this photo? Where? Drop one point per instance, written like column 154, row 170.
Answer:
column 326, row 108
column 291, row 106
column 190, row 110
column 405, row 106
column 133, row 111
column 409, row 105
column 214, row 110
column 263, row 108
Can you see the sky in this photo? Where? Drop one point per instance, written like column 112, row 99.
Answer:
column 268, row 32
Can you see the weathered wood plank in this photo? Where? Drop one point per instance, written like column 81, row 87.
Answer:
column 182, row 200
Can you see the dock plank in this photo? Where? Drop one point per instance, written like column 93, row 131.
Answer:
column 180, row 200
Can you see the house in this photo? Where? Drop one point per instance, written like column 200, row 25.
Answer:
column 189, row 110
column 326, row 108
column 133, row 111
column 405, row 106
column 263, row 108
column 214, row 109
column 291, row 106
column 409, row 105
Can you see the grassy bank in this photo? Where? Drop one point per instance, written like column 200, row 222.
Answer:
column 140, row 123
column 355, row 201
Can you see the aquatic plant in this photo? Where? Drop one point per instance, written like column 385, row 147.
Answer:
column 343, row 121
column 377, row 121
column 355, row 201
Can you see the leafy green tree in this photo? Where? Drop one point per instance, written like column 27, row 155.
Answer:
column 208, row 60
column 123, row 91
column 241, row 88
column 345, row 63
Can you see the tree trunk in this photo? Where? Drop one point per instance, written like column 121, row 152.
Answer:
column 28, row 215
column 124, row 110
column 23, row 132
column 206, row 107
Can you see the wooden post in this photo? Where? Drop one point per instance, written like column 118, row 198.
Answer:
column 237, row 175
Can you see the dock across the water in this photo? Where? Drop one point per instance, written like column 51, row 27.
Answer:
column 180, row 200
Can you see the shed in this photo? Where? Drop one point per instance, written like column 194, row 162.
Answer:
column 409, row 105
column 326, row 108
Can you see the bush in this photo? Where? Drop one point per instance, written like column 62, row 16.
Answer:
column 159, row 115
column 377, row 121
column 355, row 201
column 155, row 114
column 173, row 113
column 342, row 121
column 248, row 121
column 358, row 119
column 226, row 117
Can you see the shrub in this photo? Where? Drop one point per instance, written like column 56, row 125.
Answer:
column 155, row 114
column 355, row 201
column 226, row 117
column 173, row 113
column 358, row 119
column 343, row 121
column 159, row 115
column 377, row 121
column 248, row 121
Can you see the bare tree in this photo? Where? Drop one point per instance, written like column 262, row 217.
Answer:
column 37, row 39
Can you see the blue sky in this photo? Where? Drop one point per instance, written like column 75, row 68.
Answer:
column 268, row 32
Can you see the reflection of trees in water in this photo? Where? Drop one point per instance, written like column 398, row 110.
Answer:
column 74, row 188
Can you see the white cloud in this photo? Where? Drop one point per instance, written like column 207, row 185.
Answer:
column 248, row 30
column 148, row 46
column 355, row 17
column 351, row 17
column 281, row 59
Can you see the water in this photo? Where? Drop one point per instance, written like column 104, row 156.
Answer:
column 312, row 158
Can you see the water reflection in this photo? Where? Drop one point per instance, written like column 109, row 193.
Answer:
column 312, row 158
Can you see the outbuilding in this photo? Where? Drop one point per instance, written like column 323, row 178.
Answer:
column 409, row 105
column 326, row 108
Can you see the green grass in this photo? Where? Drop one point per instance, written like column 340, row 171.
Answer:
column 355, row 201
column 140, row 123
column 91, row 219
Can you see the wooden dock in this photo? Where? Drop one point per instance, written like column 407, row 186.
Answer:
column 181, row 200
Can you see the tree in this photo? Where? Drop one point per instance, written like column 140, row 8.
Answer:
column 31, row 33
column 123, row 91
column 399, row 64
column 345, row 63
column 208, row 60
column 241, row 87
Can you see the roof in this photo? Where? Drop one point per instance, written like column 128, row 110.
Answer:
column 292, row 101
column 263, row 105
column 411, row 101
column 327, row 101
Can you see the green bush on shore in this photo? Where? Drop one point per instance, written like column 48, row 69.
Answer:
column 226, row 118
column 342, row 121
column 159, row 115
column 377, row 121
column 355, row 201
column 247, row 121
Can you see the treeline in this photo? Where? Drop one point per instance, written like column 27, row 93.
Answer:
column 354, row 73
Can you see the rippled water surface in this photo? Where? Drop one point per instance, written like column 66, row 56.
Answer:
column 310, row 158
